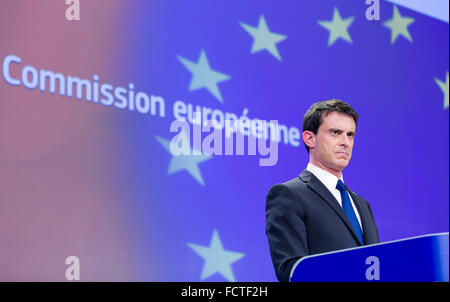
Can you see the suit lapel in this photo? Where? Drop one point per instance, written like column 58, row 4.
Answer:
column 317, row 186
column 366, row 221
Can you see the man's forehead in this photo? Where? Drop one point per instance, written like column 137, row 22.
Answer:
column 337, row 120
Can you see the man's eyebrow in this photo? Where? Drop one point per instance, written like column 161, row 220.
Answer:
column 340, row 131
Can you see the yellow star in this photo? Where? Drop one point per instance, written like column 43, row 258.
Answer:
column 399, row 26
column 338, row 27
column 444, row 88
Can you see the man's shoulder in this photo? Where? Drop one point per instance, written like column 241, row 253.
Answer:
column 291, row 183
column 294, row 185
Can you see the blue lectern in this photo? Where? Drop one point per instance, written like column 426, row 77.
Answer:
column 417, row 259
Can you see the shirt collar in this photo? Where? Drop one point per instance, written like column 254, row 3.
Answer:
column 328, row 179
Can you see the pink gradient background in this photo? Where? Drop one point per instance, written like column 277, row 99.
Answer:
column 59, row 195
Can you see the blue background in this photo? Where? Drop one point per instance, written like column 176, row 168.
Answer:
column 401, row 155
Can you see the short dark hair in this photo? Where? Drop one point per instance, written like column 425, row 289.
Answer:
column 313, row 117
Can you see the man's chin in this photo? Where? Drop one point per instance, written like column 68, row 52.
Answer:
column 341, row 164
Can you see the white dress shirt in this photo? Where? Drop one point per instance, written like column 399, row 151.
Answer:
column 330, row 182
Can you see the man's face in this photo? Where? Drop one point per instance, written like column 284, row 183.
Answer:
column 334, row 142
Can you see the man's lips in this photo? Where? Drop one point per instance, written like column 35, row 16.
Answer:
column 343, row 153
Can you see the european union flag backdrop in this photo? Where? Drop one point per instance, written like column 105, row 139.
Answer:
column 86, row 170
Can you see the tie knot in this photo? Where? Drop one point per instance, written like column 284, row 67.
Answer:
column 340, row 186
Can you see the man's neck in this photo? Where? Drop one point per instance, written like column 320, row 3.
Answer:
column 336, row 173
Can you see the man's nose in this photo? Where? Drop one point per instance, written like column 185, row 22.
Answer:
column 344, row 140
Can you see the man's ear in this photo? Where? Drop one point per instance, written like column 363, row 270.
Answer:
column 309, row 138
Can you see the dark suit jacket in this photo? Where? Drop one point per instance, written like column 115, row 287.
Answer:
column 304, row 218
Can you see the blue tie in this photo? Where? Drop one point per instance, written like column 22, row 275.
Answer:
column 348, row 209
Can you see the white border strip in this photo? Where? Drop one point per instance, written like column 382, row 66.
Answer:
column 438, row 9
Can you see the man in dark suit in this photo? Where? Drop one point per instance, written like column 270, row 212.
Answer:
column 316, row 212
